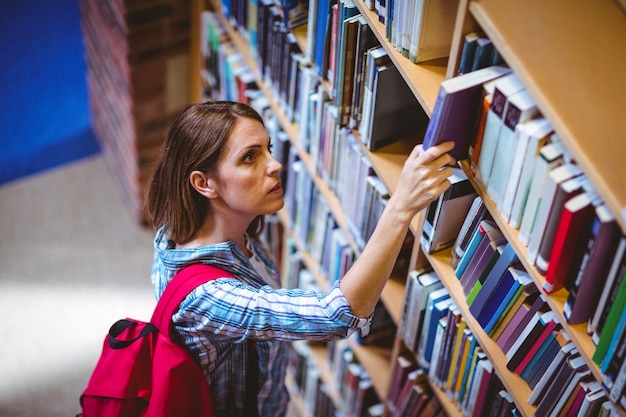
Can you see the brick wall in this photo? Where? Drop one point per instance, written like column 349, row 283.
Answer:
column 137, row 55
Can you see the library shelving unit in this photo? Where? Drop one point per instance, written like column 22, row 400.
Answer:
column 570, row 59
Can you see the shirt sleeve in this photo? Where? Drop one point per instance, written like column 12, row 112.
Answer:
column 229, row 310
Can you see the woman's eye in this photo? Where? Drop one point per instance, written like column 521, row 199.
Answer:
column 249, row 156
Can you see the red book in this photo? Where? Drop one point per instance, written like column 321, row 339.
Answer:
column 483, row 389
column 568, row 245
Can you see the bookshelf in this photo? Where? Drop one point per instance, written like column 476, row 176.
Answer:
column 576, row 77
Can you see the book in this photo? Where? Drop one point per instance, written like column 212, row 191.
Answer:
column 534, row 134
column 490, row 257
column 454, row 354
column 619, row 375
column 444, row 216
column 482, row 389
column 564, row 403
column 436, row 361
column 456, row 110
column 615, row 348
column 519, row 108
column 468, row 51
column 591, row 394
column 477, row 142
column 354, row 373
column 415, row 377
column 583, row 388
column 547, row 379
column 395, row 112
column 433, row 25
column 520, row 321
column 475, row 372
column 567, row 248
column 365, row 398
column 560, row 384
column 421, row 284
column 466, row 347
column 438, row 303
column 611, row 323
column 612, row 366
column 504, row 88
column 619, row 262
column 475, row 214
column 403, row 366
column 375, row 57
column 482, row 55
column 504, row 296
column 349, row 21
column 365, row 41
column 484, row 290
column 453, row 320
column 490, row 238
column 564, row 192
column 295, row 12
column 473, row 244
column 524, row 343
column 591, row 401
column 473, row 351
column 550, row 156
column 419, row 397
column 548, row 324
column 323, row 28
column 544, row 355
column 583, row 296
column 548, row 204
column 527, row 294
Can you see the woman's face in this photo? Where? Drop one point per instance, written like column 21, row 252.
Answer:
column 247, row 179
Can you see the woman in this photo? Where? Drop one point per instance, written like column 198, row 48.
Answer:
column 214, row 181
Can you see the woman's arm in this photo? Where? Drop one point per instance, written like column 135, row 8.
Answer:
column 424, row 177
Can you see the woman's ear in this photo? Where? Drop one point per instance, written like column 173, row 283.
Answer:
column 203, row 184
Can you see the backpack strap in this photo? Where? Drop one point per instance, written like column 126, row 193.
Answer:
column 185, row 281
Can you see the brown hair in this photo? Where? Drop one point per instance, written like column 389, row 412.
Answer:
column 194, row 143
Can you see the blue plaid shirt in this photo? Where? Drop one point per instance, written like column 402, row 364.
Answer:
column 218, row 317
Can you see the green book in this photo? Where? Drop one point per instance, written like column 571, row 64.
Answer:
column 608, row 330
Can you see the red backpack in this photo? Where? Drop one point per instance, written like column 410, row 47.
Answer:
column 142, row 372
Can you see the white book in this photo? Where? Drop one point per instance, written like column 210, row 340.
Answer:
column 423, row 283
column 433, row 27
column 505, row 87
column 550, row 156
column 530, row 135
column 520, row 107
column 434, row 362
column 556, row 176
